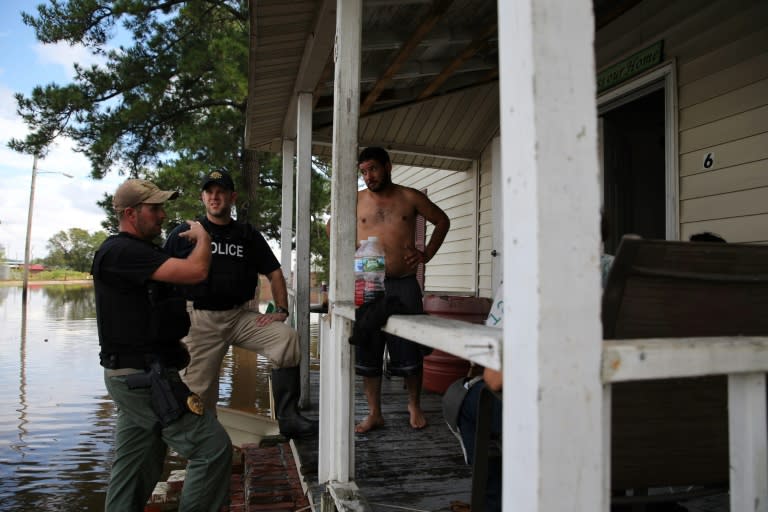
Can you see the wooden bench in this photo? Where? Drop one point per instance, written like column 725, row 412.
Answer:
column 675, row 431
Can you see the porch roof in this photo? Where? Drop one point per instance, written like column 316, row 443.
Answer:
column 429, row 78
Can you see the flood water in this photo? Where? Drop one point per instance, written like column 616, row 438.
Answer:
column 56, row 419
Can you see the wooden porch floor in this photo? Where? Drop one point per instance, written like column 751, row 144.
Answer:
column 397, row 468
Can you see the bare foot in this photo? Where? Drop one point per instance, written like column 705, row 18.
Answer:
column 369, row 423
column 418, row 421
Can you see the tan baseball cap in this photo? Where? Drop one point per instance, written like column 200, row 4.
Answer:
column 133, row 192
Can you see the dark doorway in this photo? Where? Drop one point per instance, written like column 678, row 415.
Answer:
column 634, row 169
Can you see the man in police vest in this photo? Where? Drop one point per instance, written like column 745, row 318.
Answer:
column 219, row 316
column 140, row 325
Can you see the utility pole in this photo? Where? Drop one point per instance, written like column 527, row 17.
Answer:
column 29, row 234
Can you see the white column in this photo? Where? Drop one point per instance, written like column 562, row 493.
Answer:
column 303, row 187
column 336, row 448
column 552, row 336
column 286, row 217
column 747, row 442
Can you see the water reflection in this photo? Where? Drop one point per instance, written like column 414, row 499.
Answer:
column 56, row 419
column 56, row 428
column 70, row 301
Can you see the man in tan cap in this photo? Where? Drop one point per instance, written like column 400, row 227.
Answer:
column 140, row 326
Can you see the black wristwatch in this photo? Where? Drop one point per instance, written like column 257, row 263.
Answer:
column 281, row 309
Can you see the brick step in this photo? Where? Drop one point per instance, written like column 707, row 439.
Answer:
column 165, row 496
column 264, row 477
column 271, row 480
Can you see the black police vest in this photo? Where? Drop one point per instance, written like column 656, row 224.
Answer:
column 136, row 320
column 233, row 276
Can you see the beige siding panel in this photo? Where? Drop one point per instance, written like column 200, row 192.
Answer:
column 486, row 203
column 451, row 258
column 452, row 201
column 731, row 154
column 686, row 32
column 734, row 102
column 485, row 225
column 485, row 172
column 453, row 192
column 737, row 230
column 438, row 123
column 632, row 31
column 452, row 284
column 714, row 26
column 394, row 127
column 463, row 221
column 446, row 271
column 484, row 217
column 462, row 210
column 484, row 285
column 446, row 189
column 436, row 176
column 729, row 79
column 747, row 46
column 721, row 50
column 729, row 179
column 467, row 233
column 486, row 230
column 732, row 128
column 472, row 117
column 734, row 204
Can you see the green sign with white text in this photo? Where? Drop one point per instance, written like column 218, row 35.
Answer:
column 629, row 67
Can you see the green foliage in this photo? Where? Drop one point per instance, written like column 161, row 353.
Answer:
column 59, row 274
column 168, row 106
column 186, row 68
column 73, row 249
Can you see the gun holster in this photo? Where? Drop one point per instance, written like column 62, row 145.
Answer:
column 170, row 398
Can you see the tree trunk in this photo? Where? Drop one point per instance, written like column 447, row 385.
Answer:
column 250, row 178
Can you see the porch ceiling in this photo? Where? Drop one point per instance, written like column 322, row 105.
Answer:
column 429, row 75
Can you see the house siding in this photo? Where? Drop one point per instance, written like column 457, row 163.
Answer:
column 485, row 225
column 454, row 267
column 720, row 48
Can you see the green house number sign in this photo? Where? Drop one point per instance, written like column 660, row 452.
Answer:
column 631, row 66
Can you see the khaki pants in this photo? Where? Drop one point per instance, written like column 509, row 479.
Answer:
column 141, row 445
column 211, row 334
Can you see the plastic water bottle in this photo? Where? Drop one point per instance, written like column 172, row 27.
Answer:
column 360, row 272
column 375, row 270
column 370, row 271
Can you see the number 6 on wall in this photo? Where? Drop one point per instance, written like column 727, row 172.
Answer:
column 709, row 160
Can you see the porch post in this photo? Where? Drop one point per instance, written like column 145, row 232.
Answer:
column 336, row 449
column 303, row 186
column 286, row 217
column 552, row 336
column 747, row 441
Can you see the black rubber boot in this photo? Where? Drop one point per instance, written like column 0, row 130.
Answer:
column 285, row 386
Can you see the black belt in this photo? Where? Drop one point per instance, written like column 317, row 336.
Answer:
column 115, row 361
column 216, row 307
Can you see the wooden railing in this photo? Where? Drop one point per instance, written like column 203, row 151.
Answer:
column 743, row 359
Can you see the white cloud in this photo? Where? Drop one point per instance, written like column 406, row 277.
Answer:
column 60, row 203
column 65, row 55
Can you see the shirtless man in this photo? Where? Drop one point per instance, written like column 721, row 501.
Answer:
column 389, row 211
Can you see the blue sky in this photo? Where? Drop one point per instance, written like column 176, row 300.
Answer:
column 60, row 203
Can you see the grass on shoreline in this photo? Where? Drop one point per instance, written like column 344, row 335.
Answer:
column 49, row 277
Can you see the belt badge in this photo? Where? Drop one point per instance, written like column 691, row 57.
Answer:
column 195, row 404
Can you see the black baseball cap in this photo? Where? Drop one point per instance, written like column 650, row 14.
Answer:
column 221, row 178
